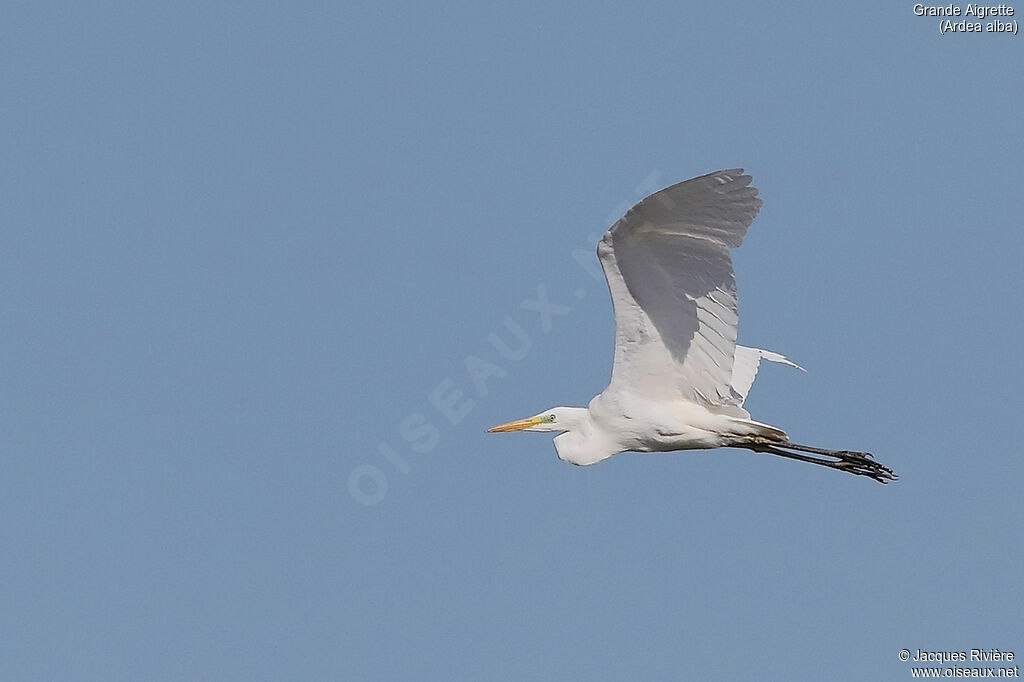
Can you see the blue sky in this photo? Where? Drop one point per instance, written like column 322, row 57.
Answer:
column 248, row 252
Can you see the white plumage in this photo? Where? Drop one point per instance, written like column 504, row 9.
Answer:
column 679, row 380
column 745, row 363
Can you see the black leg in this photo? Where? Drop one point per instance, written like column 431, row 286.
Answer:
column 859, row 463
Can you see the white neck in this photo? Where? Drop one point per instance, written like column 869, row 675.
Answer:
column 583, row 442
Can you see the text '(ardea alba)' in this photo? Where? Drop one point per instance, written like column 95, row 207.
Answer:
column 679, row 379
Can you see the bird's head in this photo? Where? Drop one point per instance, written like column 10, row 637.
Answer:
column 555, row 419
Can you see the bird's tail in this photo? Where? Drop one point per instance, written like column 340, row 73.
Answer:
column 748, row 428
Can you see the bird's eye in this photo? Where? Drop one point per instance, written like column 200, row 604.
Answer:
column 549, row 418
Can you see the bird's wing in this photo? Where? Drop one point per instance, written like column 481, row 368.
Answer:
column 744, row 368
column 670, row 275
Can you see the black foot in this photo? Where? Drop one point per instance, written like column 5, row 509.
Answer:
column 858, row 463
column 863, row 464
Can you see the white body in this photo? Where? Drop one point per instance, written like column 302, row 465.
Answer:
column 679, row 379
column 621, row 421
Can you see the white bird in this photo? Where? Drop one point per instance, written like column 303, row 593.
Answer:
column 679, row 379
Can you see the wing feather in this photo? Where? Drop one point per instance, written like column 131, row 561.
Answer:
column 744, row 368
column 670, row 276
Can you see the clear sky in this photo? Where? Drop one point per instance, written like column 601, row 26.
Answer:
column 253, row 263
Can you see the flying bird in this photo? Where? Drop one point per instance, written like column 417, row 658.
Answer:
column 679, row 379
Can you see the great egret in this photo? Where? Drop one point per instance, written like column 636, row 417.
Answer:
column 679, row 379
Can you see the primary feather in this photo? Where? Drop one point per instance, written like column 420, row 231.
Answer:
column 670, row 276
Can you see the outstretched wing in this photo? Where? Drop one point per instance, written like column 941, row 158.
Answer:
column 670, row 275
column 744, row 368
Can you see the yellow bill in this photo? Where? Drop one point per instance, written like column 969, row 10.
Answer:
column 517, row 425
